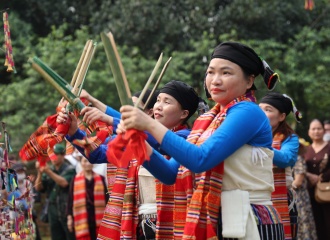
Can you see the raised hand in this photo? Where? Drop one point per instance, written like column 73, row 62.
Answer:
column 68, row 118
column 121, row 127
column 135, row 118
column 92, row 114
column 86, row 95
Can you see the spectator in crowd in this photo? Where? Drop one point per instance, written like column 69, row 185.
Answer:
column 318, row 169
column 100, row 169
column 86, row 203
column 326, row 136
column 306, row 224
column 55, row 180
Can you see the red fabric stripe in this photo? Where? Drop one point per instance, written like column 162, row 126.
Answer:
column 279, row 196
column 79, row 204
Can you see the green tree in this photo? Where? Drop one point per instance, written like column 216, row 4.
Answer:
column 307, row 60
column 258, row 19
column 155, row 25
column 42, row 15
column 22, row 38
column 293, row 41
column 26, row 103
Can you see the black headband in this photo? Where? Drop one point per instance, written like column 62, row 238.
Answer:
column 184, row 94
column 240, row 54
column 153, row 98
column 248, row 60
column 282, row 102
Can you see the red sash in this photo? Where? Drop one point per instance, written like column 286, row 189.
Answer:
column 79, row 204
column 279, row 196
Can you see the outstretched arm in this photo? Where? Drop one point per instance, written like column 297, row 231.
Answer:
column 288, row 154
column 100, row 105
column 243, row 124
column 95, row 102
column 92, row 114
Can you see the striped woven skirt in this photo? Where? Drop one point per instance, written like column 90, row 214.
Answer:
column 268, row 223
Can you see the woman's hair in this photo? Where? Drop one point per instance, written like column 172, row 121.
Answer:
column 317, row 120
column 184, row 94
column 285, row 129
column 248, row 60
column 152, row 100
column 246, row 77
column 283, row 104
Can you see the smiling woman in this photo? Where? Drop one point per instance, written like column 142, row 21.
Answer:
column 176, row 102
column 132, row 210
column 285, row 145
column 225, row 82
column 226, row 159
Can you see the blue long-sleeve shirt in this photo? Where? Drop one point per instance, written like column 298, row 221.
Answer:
column 112, row 112
column 288, row 154
column 98, row 156
column 116, row 117
column 245, row 123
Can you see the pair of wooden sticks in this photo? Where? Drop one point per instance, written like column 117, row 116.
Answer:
column 71, row 91
column 119, row 73
column 82, row 67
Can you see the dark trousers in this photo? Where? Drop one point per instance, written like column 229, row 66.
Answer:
column 58, row 225
column 321, row 213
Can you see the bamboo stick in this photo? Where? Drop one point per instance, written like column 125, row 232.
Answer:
column 59, row 86
column 117, row 69
column 74, row 77
column 112, row 40
column 157, row 82
column 89, row 60
column 153, row 73
column 83, row 68
column 51, row 73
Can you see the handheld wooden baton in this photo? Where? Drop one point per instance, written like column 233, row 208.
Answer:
column 117, row 69
column 153, row 73
column 57, row 82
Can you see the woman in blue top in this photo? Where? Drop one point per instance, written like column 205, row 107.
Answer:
column 175, row 104
column 277, row 107
column 106, row 114
column 229, row 150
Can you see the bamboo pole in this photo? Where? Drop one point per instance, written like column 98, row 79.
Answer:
column 153, row 73
column 83, row 68
column 157, row 82
column 117, row 69
column 89, row 60
column 59, row 86
column 112, row 40
column 74, row 77
column 50, row 72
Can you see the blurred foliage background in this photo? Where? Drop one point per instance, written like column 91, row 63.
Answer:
column 294, row 41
